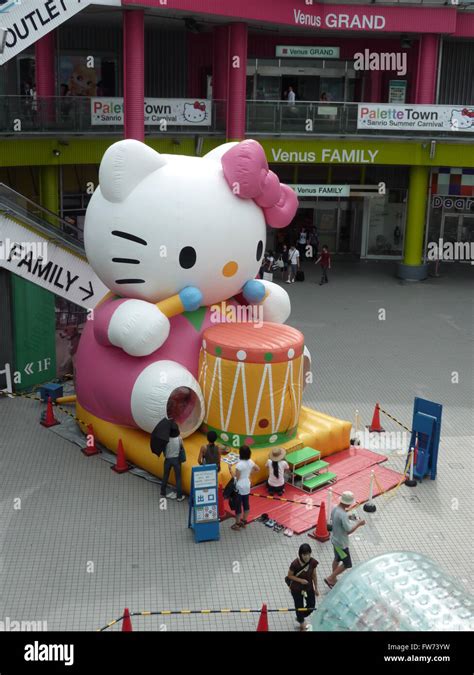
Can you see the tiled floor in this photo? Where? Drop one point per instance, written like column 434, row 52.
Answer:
column 86, row 542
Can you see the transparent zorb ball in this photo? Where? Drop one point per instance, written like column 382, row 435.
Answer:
column 397, row 591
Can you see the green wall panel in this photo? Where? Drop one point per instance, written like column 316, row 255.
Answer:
column 34, row 333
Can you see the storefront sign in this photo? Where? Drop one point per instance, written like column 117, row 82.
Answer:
column 324, row 16
column 415, row 117
column 321, row 190
column 172, row 111
column 327, row 156
column 29, row 21
column 302, row 52
column 397, row 90
column 459, row 203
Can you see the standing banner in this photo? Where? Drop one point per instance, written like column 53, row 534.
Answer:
column 203, row 515
column 415, row 117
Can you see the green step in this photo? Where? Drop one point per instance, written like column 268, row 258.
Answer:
column 302, row 455
column 320, row 479
column 310, row 468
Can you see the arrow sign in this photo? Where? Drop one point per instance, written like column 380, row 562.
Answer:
column 31, row 256
column 89, row 292
column 29, row 368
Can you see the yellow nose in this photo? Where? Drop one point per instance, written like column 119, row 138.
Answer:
column 230, row 269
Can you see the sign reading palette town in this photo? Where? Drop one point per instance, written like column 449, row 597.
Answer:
column 414, row 117
column 28, row 21
column 302, row 52
column 321, row 190
column 172, row 111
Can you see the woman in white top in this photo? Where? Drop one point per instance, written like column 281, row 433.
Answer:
column 276, row 466
column 242, row 472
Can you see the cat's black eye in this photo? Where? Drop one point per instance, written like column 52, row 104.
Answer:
column 187, row 257
column 259, row 250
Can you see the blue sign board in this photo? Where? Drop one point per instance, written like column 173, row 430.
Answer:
column 203, row 504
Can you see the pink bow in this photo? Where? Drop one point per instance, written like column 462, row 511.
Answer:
column 199, row 106
column 246, row 168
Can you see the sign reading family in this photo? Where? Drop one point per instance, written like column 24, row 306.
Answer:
column 301, row 52
column 171, row 111
column 413, row 117
column 321, row 190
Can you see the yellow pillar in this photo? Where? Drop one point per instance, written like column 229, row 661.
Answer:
column 412, row 267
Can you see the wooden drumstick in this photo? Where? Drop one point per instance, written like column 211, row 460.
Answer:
column 171, row 306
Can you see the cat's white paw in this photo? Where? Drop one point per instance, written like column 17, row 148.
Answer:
column 276, row 305
column 138, row 327
column 166, row 388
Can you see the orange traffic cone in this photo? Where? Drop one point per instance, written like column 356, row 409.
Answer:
column 321, row 532
column 121, row 465
column 127, row 622
column 375, row 426
column 91, row 448
column 263, row 620
column 49, row 420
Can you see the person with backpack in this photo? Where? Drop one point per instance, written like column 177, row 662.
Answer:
column 211, row 453
column 325, row 259
column 293, row 263
column 303, row 584
column 174, row 456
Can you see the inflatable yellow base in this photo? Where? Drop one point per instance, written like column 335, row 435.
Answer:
column 316, row 430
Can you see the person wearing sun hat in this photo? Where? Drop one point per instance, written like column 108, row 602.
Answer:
column 276, row 466
column 342, row 527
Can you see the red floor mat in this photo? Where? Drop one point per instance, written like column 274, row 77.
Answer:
column 352, row 460
column 359, row 483
column 352, row 466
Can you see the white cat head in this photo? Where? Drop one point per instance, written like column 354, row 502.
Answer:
column 462, row 119
column 158, row 223
column 195, row 113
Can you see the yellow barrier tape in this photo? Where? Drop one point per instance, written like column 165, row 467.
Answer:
column 181, row 612
column 394, row 419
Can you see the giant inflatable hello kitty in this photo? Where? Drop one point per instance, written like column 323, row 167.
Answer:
column 171, row 236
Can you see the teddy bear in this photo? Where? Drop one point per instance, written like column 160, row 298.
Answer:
column 171, row 236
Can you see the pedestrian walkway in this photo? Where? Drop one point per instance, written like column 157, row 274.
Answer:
column 87, row 542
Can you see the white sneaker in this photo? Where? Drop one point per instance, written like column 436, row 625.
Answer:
column 172, row 495
column 181, row 499
column 293, row 281
column 287, row 281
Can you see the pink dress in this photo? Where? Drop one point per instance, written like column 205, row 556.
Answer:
column 105, row 375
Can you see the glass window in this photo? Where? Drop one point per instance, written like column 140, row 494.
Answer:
column 387, row 224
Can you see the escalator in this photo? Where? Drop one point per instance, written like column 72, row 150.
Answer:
column 45, row 249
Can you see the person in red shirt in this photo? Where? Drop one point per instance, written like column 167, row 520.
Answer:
column 325, row 259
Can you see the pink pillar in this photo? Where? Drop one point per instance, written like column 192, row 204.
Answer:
column 427, row 69
column 237, row 83
column 375, row 86
column 134, row 74
column 219, row 72
column 45, row 66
